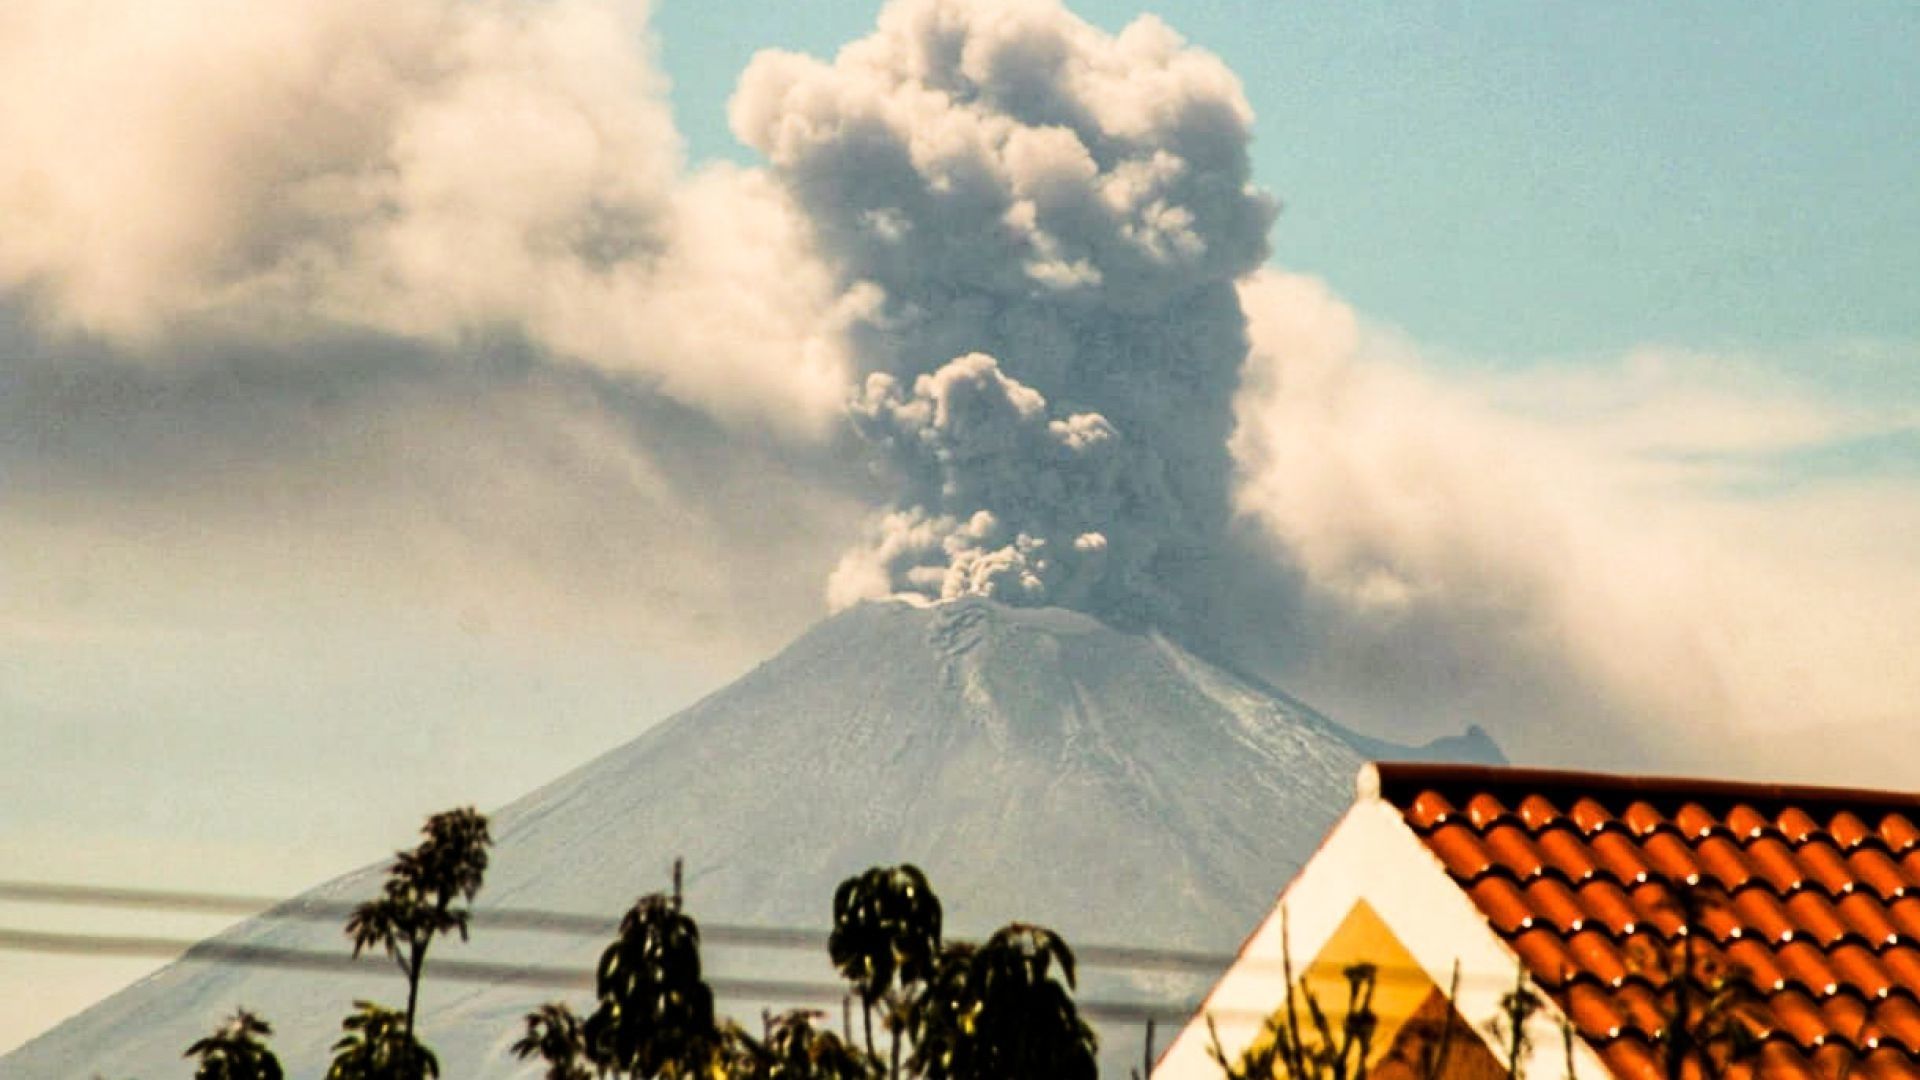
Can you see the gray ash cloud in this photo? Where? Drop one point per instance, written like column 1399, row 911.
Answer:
column 1056, row 218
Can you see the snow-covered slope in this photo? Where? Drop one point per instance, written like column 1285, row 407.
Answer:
column 1038, row 764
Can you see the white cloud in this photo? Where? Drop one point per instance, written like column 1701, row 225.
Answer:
column 435, row 170
column 1585, row 526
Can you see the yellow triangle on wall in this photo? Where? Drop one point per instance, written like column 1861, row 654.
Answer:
column 1412, row 1014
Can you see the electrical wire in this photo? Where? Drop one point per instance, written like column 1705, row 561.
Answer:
column 480, row 971
column 1135, row 958
column 1126, row 958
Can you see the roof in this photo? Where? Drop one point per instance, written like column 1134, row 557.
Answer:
column 1806, row 901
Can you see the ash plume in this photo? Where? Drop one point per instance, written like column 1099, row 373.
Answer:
column 1055, row 219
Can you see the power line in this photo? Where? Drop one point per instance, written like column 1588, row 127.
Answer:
column 1128, row 957
column 479, row 971
column 307, row 909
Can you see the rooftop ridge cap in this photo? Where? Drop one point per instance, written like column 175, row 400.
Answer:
column 1399, row 781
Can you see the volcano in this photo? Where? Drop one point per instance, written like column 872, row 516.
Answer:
column 1038, row 764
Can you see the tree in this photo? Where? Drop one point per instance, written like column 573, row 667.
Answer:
column 655, row 1012
column 235, row 1051
column 378, row 1046
column 1287, row 1048
column 555, row 1035
column 1712, row 1017
column 886, row 934
column 795, row 1049
column 996, row 1012
column 1509, row 1027
column 418, row 900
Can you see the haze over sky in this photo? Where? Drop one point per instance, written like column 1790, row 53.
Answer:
column 1584, row 400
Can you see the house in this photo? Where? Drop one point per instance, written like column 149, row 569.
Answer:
column 1797, row 909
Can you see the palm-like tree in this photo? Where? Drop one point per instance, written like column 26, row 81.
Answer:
column 378, row 1046
column 796, row 1050
column 655, row 1013
column 886, row 933
column 235, row 1051
column 554, row 1034
column 996, row 1012
column 418, row 901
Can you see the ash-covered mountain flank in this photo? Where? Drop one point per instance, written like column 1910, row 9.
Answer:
column 1037, row 763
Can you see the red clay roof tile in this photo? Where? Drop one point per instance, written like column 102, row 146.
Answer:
column 1849, row 1019
column 1859, row 969
column 1902, row 966
column 1654, row 903
column 1632, row 1059
column 1899, row 833
column 1695, row 823
column 1887, row 1065
column 1551, row 898
column 1596, row 1013
column 1608, row 903
column 1781, row 1061
column 1747, row 822
column 1642, row 1008
column 1873, row 869
column 1485, row 811
column 1599, row 955
column 1592, row 818
column 1548, row 955
column 1910, row 869
column 1762, row 969
column 1816, row 915
column 1867, row 918
column 1503, row 904
column 1806, row 966
column 1428, row 810
column 1761, row 912
column 1823, row 863
column 1670, row 856
column 1465, row 856
column 1538, row 812
column 1848, row 830
column 1808, row 897
column 1565, row 853
column 1509, row 845
column 1725, row 862
column 1775, row 862
column 1619, row 855
column 1899, row 1017
column 1904, row 913
column 1644, row 819
column 1799, row 1016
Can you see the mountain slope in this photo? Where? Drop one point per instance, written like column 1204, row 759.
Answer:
column 1038, row 764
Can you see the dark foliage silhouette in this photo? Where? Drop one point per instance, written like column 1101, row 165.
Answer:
column 420, row 899
column 997, row 1012
column 1714, row 1016
column 795, row 1049
column 655, row 1012
column 377, row 1046
column 886, row 935
column 236, row 1051
column 556, row 1036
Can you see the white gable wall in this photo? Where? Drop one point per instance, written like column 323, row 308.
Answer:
column 1372, row 855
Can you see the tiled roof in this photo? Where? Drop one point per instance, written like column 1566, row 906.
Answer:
column 1806, row 902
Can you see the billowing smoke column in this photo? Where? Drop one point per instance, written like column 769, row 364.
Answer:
column 1001, row 487
column 1056, row 218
